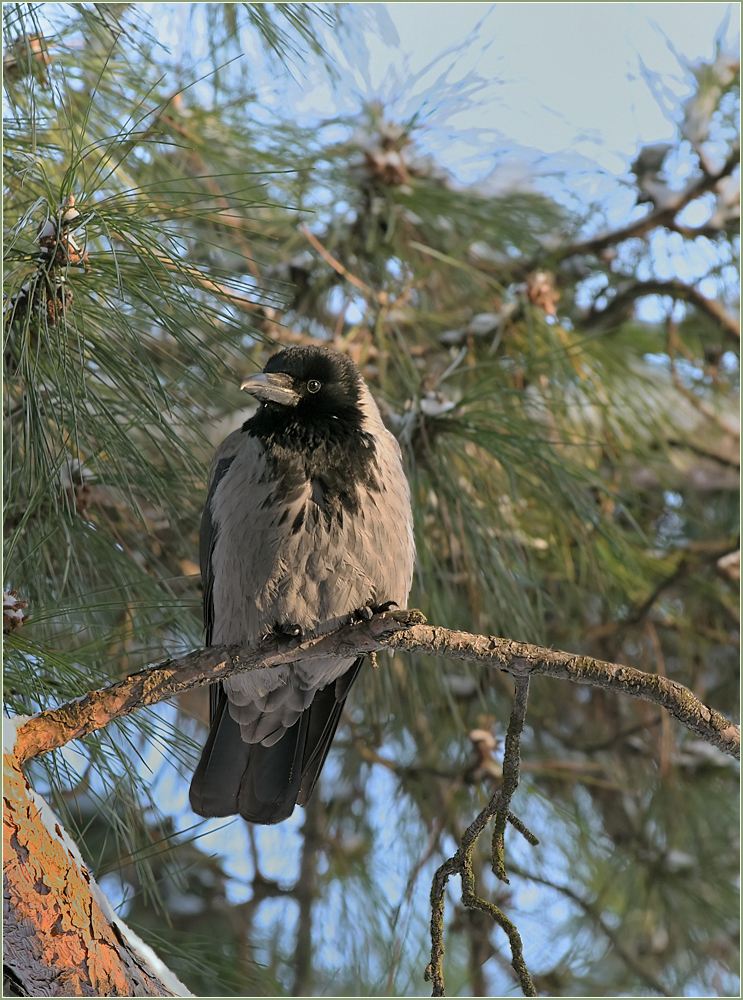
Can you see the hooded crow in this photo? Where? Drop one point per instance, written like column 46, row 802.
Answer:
column 307, row 523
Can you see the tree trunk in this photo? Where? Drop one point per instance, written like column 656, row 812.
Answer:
column 62, row 938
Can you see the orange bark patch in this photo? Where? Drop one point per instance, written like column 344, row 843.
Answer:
column 57, row 937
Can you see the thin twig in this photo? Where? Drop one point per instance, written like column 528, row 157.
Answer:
column 461, row 864
column 336, row 264
column 674, row 287
column 523, row 829
column 470, row 899
column 435, row 970
column 511, row 764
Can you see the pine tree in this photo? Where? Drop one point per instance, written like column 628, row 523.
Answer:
column 574, row 478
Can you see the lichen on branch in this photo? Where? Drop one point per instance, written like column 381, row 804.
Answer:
column 461, row 862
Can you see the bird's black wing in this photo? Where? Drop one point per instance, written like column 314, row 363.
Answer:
column 216, row 744
column 207, row 538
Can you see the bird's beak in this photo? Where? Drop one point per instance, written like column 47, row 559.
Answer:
column 274, row 387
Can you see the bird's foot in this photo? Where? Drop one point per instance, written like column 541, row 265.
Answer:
column 287, row 630
column 365, row 613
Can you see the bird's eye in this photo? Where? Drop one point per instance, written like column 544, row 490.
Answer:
column 313, row 385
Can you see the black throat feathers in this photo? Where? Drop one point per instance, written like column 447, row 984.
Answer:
column 331, row 452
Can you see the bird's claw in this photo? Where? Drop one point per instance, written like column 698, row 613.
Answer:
column 288, row 630
column 366, row 613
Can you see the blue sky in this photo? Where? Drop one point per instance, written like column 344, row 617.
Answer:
column 506, row 92
column 564, row 75
column 548, row 76
column 559, row 78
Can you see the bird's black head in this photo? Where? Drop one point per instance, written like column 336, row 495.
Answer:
column 311, row 382
column 312, row 426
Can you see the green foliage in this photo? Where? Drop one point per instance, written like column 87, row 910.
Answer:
column 573, row 479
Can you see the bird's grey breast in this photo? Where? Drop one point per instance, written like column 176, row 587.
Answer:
column 305, row 546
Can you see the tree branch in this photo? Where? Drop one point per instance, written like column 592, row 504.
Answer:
column 673, row 287
column 461, row 862
column 336, row 264
column 511, row 764
column 662, row 216
column 400, row 630
column 522, row 659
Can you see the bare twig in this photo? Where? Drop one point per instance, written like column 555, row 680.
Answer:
column 435, row 970
column 662, row 216
column 336, row 264
column 392, row 629
column 511, row 763
column 674, row 287
column 461, row 864
column 523, row 829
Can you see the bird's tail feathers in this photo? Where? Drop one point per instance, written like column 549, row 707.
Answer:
column 263, row 783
